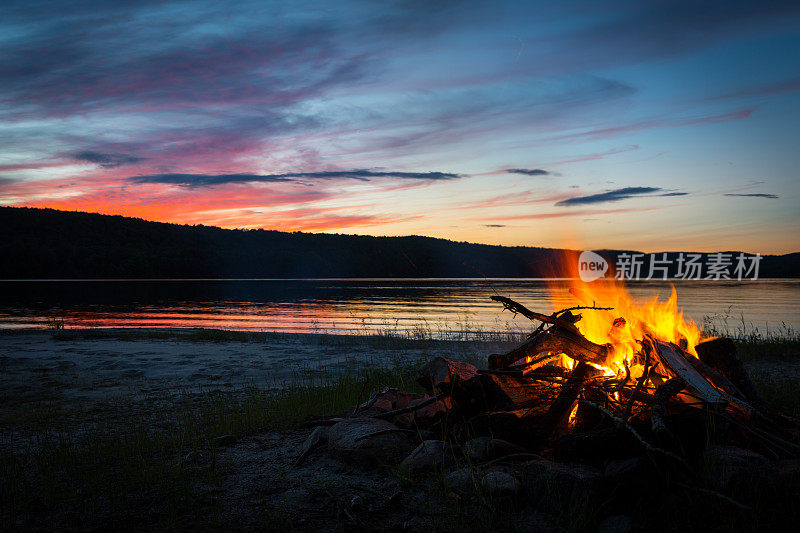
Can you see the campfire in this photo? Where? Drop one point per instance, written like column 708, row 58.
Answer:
column 604, row 380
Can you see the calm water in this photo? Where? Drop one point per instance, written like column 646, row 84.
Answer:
column 433, row 306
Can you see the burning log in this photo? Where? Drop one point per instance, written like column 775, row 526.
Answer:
column 675, row 360
column 555, row 340
column 561, row 337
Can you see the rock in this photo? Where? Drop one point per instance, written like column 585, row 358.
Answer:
column 558, row 486
column 440, row 374
column 383, row 405
column 225, row 440
column 355, row 440
column 632, row 478
column 486, row 448
column 461, row 480
column 386, row 400
column 423, row 415
column 739, row 473
column 616, row 524
column 500, row 484
column 318, row 437
column 428, row 455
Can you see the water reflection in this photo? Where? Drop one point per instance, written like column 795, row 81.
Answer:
column 432, row 307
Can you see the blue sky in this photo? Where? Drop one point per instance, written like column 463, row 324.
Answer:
column 647, row 125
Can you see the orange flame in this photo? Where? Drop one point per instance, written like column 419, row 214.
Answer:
column 660, row 319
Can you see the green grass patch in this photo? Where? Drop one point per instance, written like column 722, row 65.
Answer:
column 759, row 349
column 781, row 394
column 388, row 339
column 131, row 465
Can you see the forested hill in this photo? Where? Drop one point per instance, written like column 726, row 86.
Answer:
column 45, row 243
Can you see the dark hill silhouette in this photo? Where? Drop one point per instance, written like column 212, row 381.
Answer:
column 51, row 244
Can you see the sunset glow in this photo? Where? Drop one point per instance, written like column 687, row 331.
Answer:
column 513, row 123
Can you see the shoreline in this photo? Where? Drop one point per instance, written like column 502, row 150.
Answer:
column 94, row 367
column 172, row 425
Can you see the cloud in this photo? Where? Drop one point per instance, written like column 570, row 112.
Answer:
column 528, row 171
column 582, row 213
column 515, row 198
column 107, row 160
column 656, row 123
column 597, row 155
column 630, row 33
column 763, row 90
column 207, row 180
column 609, row 196
column 754, row 195
column 674, row 194
column 494, row 225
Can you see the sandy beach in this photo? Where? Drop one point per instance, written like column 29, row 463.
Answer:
column 95, row 368
column 38, row 367
column 91, row 365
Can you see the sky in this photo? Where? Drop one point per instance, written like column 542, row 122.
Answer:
column 630, row 125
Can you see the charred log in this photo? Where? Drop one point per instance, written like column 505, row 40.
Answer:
column 720, row 354
column 560, row 408
column 659, row 409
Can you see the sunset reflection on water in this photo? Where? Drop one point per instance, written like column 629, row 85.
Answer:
column 437, row 308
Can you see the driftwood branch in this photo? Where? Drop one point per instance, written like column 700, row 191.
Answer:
column 563, row 316
column 518, row 308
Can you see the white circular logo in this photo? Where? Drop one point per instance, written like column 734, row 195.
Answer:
column 591, row 266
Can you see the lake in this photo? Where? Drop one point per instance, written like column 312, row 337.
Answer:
column 424, row 307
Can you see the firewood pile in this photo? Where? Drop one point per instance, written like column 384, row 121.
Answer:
column 571, row 411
